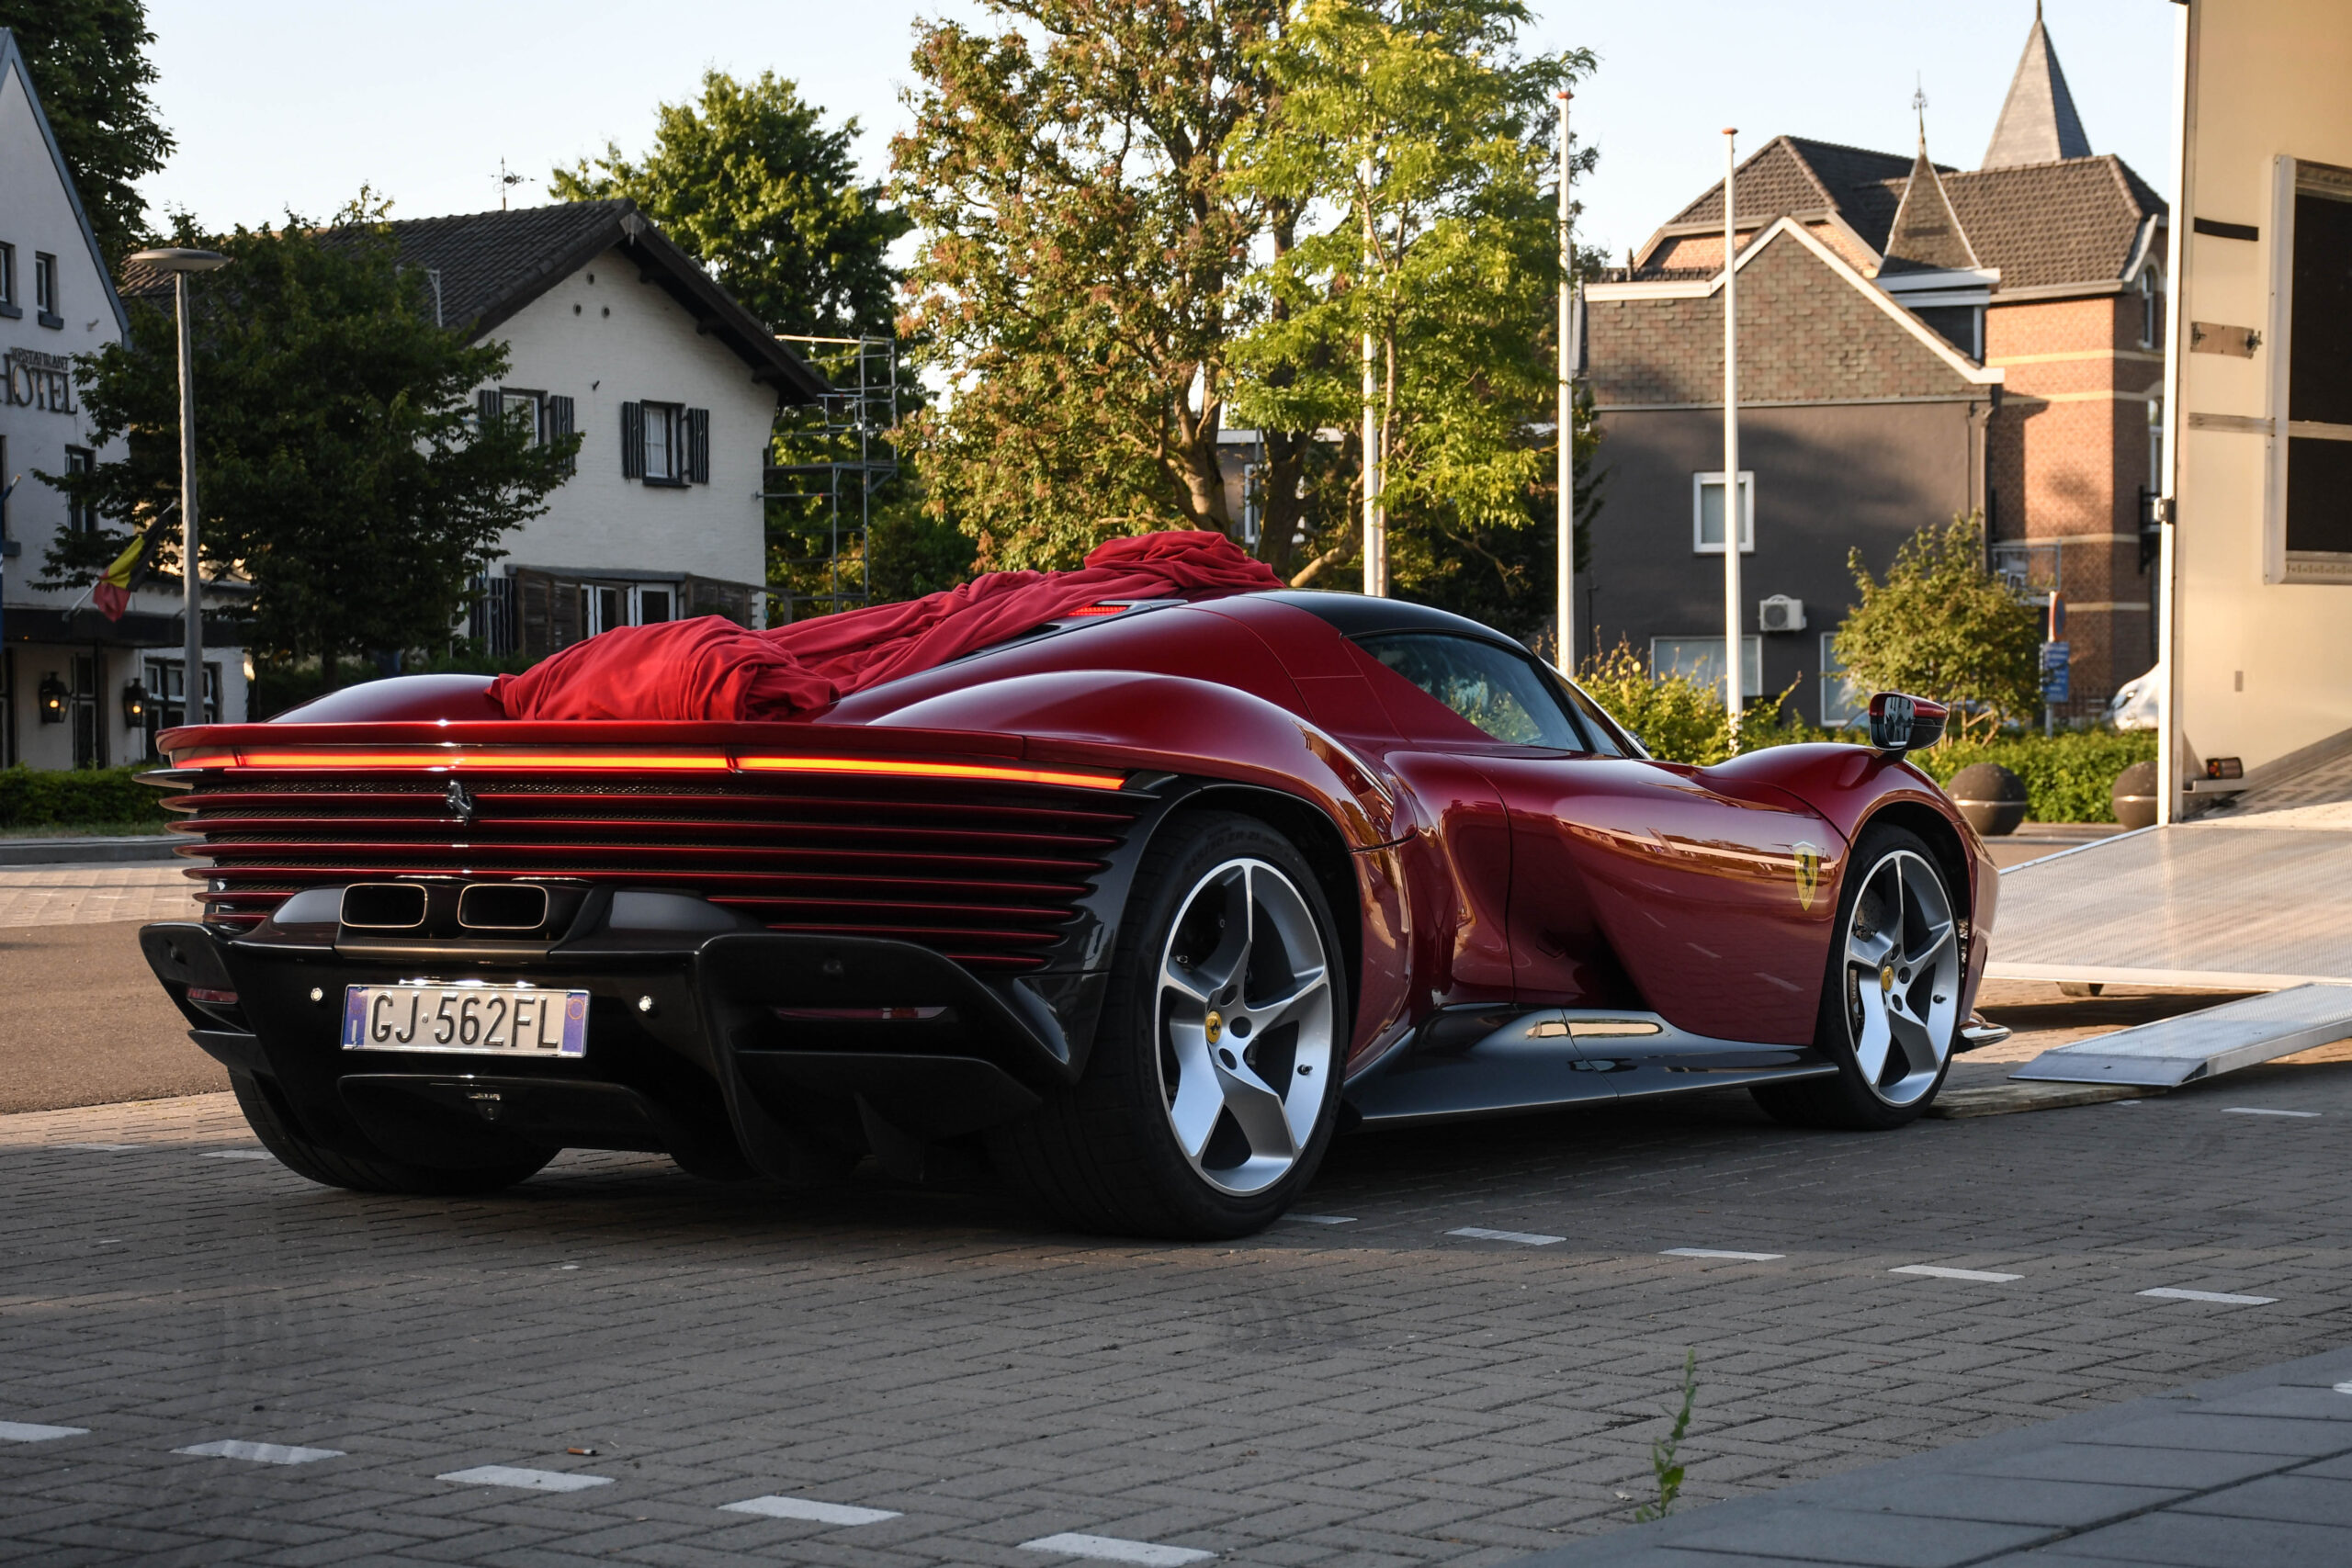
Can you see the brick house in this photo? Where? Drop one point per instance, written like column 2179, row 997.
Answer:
column 1915, row 341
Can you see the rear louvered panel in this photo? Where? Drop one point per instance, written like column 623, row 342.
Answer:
column 987, row 874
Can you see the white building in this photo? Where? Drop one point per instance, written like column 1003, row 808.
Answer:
column 614, row 332
column 65, row 670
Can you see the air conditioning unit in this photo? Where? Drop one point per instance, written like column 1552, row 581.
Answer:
column 1781, row 613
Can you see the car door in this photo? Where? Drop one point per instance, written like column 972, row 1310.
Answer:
column 1634, row 883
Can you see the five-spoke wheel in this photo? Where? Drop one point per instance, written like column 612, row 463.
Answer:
column 1889, row 1004
column 1210, row 1088
column 1902, row 977
column 1245, row 1026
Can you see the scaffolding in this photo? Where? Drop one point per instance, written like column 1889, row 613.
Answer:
column 853, row 426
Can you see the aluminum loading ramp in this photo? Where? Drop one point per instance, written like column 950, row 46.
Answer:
column 2175, row 1051
column 2254, row 902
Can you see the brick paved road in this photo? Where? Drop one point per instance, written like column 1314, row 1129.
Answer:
column 1369, row 1394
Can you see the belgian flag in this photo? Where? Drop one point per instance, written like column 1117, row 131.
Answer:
column 112, row 591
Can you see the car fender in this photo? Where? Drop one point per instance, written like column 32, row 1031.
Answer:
column 1854, row 785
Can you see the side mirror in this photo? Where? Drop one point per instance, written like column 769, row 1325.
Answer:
column 1905, row 724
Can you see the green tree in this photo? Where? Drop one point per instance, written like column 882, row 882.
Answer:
column 88, row 60
column 1416, row 138
column 1943, row 626
column 340, row 463
column 753, row 184
column 1080, row 282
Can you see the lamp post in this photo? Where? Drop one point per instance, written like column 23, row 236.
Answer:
column 179, row 263
column 1565, row 586
column 1733, row 515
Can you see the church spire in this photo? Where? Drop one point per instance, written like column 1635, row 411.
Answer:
column 2037, row 123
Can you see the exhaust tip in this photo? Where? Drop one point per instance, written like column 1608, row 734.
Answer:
column 503, row 907
column 383, row 906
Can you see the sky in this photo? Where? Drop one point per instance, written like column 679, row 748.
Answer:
column 282, row 105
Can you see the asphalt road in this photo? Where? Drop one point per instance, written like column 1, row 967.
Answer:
column 83, row 1023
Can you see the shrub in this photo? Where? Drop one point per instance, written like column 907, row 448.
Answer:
column 1682, row 720
column 1943, row 626
column 2069, row 777
column 79, row 797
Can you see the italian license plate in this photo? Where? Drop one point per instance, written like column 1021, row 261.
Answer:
column 466, row 1016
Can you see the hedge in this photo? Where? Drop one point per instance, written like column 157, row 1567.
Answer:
column 79, row 797
column 2069, row 777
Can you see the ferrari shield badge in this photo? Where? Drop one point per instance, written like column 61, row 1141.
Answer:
column 1808, row 859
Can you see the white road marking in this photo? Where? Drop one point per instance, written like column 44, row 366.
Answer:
column 1325, row 1219
column 803, row 1508
column 34, row 1432
column 1718, row 1252
column 2171, row 1294
column 1111, row 1548
column 1933, row 1273
column 259, row 1453
column 237, row 1154
column 2262, row 1111
column 97, row 1149
column 2344, row 1387
column 1479, row 1233
column 525, row 1480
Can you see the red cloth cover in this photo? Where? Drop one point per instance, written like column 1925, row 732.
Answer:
column 713, row 668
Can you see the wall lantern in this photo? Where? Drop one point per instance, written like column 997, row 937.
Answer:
column 134, row 705
column 52, row 700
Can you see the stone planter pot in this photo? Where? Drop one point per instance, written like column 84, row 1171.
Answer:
column 1990, row 796
column 2135, row 796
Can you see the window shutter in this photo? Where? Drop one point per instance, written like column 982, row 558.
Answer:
column 698, row 446
column 486, row 409
column 632, row 441
column 560, row 426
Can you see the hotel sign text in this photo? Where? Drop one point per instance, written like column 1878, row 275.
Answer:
column 38, row 380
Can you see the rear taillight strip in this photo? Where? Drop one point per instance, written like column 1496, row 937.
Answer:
column 446, row 758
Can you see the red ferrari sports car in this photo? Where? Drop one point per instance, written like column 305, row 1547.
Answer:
column 1147, row 901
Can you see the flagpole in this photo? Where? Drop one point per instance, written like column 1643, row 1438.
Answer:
column 1732, row 509
column 1564, row 611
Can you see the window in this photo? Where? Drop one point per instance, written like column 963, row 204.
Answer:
column 9, row 307
column 2152, row 309
column 1707, row 513
column 45, row 289
column 522, row 410
column 1700, row 659
column 604, row 605
column 2318, row 376
column 81, row 515
column 1608, row 738
column 663, row 444
column 1492, row 687
column 2155, row 447
column 8, row 707
column 1842, row 702
column 167, row 695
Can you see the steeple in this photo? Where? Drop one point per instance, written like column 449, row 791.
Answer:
column 2037, row 123
column 1925, row 231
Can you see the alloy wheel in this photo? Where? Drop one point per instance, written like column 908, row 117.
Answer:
column 1244, row 1020
column 1902, row 977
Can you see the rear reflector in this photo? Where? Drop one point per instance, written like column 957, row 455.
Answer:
column 218, row 998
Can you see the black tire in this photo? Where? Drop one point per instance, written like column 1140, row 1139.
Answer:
column 304, row 1158
column 1104, row 1155
column 1850, row 1101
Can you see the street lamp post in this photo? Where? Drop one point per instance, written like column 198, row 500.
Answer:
column 180, row 263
